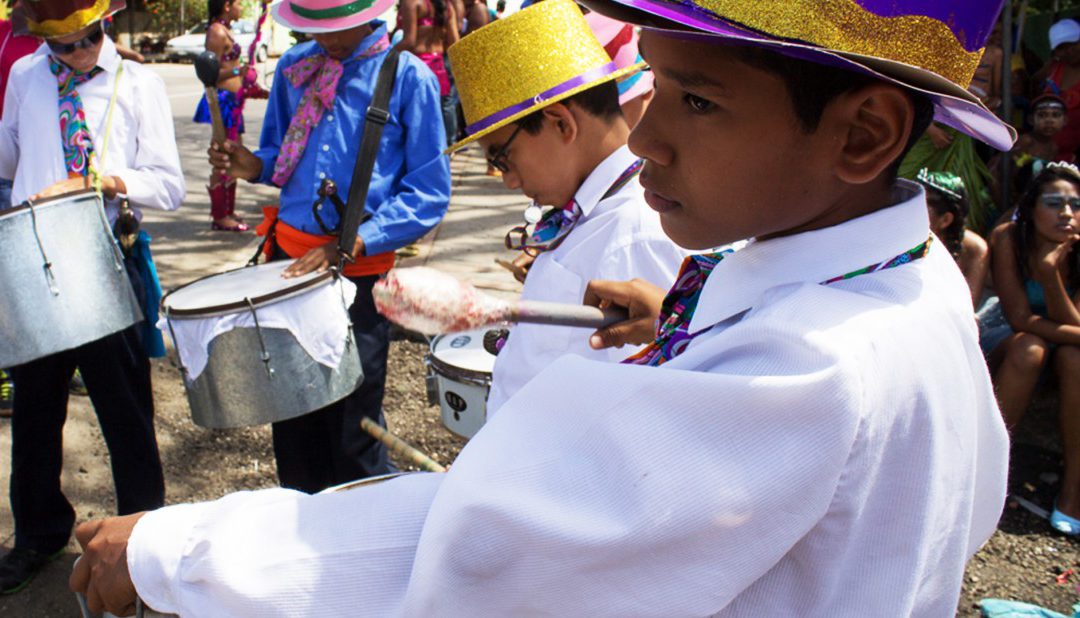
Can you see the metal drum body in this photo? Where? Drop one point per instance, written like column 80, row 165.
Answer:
column 81, row 296
column 461, row 369
column 237, row 388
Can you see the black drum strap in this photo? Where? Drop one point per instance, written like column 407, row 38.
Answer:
column 378, row 114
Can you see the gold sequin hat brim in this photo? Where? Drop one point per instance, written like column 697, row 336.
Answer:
column 914, row 51
column 56, row 18
column 517, row 65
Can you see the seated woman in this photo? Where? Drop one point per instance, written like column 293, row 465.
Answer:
column 947, row 204
column 1037, row 275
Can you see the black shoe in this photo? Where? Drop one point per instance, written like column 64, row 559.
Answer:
column 19, row 566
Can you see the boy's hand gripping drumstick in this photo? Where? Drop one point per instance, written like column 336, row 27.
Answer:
column 642, row 302
column 207, row 67
column 432, row 302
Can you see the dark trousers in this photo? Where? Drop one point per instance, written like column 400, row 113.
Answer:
column 327, row 447
column 117, row 376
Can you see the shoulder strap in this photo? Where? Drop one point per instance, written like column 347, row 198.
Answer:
column 378, row 114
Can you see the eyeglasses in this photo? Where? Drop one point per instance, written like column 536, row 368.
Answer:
column 88, row 41
column 498, row 160
column 1057, row 202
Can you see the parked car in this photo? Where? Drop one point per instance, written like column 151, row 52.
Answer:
column 188, row 46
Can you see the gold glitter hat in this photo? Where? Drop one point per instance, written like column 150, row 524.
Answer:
column 56, row 18
column 525, row 62
column 929, row 47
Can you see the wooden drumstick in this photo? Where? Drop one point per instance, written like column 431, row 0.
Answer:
column 400, row 447
column 207, row 67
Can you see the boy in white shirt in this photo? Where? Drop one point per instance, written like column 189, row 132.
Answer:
column 812, row 432
column 545, row 108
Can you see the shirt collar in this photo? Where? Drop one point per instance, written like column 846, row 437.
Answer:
column 599, row 181
column 378, row 30
column 739, row 280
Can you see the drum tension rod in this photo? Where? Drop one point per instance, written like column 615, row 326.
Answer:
column 265, row 356
column 50, row 276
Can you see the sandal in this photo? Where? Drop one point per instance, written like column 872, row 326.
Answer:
column 1064, row 524
column 239, row 227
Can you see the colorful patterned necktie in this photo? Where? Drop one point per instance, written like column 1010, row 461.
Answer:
column 672, row 334
column 321, row 73
column 74, row 134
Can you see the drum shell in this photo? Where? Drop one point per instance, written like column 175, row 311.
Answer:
column 95, row 298
column 462, row 393
column 236, row 390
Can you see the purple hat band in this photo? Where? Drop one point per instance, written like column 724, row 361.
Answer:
column 588, row 76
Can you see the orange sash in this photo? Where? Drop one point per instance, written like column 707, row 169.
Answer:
column 296, row 243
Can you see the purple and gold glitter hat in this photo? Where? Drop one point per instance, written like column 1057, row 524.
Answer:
column 517, row 65
column 929, row 46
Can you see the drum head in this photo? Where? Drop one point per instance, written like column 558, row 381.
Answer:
column 464, row 350
column 229, row 291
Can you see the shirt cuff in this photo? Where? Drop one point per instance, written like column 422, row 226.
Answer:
column 156, row 546
column 374, row 238
column 268, row 160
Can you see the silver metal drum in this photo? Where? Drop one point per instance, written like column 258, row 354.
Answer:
column 62, row 279
column 255, row 375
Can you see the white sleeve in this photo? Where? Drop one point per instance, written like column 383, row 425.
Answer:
column 283, row 553
column 576, row 498
column 154, row 178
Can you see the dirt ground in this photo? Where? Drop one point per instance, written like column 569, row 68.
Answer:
column 1024, row 560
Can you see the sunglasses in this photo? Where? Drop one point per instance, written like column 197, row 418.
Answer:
column 498, row 160
column 88, row 41
column 1058, row 202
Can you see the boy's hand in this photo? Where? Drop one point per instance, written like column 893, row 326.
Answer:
column 319, row 259
column 524, row 262
column 101, row 574
column 64, row 186
column 232, row 159
column 642, row 301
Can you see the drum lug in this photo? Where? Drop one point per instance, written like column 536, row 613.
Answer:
column 264, row 356
column 431, row 382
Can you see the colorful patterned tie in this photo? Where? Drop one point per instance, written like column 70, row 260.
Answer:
column 672, row 334
column 322, row 74
column 552, row 229
column 74, row 134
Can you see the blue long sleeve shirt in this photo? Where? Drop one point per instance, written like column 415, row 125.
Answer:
column 410, row 186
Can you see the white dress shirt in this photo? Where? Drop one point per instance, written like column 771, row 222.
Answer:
column 816, row 451
column 617, row 239
column 141, row 151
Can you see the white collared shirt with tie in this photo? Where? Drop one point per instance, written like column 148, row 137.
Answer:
column 617, row 238
column 817, row 451
column 141, row 150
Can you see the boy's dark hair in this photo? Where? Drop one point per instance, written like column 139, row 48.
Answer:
column 813, row 86
column 601, row 101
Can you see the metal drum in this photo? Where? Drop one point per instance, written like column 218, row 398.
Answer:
column 257, row 374
column 63, row 277
column 460, row 372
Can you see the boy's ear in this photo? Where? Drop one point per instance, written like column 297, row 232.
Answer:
column 563, row 120
column 873, row 124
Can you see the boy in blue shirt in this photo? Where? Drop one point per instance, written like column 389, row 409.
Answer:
column 312, row 131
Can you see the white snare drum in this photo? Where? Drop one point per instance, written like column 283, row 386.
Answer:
column 256, row 348
column 461, row 369
column 63, row 278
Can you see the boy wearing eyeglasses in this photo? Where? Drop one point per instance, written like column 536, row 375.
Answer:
column 560, row 138
column 56, row 136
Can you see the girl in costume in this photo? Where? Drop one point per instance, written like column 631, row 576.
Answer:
column 948, row 209
column 429, row 27
column 236, row 82
column 1037, row 275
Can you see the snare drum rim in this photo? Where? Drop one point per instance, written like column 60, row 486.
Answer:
column 459, row 374
column 240, row 305
column 63, row 197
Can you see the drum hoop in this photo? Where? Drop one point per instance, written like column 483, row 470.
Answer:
column 460, row 374
column 46, row 201
column 240, row 305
